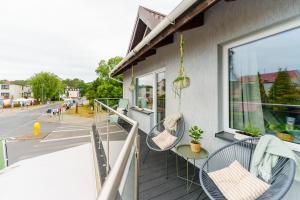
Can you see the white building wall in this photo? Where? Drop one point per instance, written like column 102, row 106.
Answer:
column 201, row 102
column 14, row 91
column 74, row 93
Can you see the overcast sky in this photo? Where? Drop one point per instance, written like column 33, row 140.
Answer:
column 280, row 51
column 66, row 37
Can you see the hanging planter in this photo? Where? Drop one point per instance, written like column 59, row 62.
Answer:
column 132, row 83
column 182, row 81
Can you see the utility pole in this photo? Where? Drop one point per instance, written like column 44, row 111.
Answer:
column 42, row 93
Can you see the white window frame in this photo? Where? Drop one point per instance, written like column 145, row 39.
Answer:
column 5, row 87
column 276, row 29
column 154, row 75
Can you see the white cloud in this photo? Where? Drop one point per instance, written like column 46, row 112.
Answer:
column 66, row 37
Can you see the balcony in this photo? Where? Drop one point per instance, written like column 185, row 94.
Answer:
column 119, row 149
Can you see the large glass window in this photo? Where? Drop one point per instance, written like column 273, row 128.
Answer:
column 144, row 91
column 161, row 96
column 4, row 94
column 4, row 87
column 264, row 85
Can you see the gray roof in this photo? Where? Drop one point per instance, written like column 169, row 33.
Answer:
column 146, row 20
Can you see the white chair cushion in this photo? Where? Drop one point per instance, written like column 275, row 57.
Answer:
column 170, row 122
column 236, row 183
column 164, row 139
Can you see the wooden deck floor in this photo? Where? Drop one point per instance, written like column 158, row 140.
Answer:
column 153, row 182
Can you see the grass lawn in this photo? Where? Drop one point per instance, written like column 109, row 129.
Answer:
column 2, row 156
column 83, row 111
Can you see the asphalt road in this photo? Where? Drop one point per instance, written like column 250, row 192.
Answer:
column 69, row 132
column 16, row 123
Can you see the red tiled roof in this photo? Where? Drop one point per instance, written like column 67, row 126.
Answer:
column 269, row 77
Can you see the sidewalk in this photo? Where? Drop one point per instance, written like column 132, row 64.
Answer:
column 66, row 119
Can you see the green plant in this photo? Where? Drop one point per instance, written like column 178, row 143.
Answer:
column 104, row 86
column 180, row 79
column 279, row 128
column 196, row 134
column 283, row 90
column 252, row 130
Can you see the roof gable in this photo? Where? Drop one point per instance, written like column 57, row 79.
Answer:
column 146, row 20
column 269, row 77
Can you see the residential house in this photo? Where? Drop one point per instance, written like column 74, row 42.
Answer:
column 224, row 41
column 269, row 78
column 11, row 91
column 27, row 91
column 73, row 93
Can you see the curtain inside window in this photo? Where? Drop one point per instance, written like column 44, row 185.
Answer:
column 245, row 93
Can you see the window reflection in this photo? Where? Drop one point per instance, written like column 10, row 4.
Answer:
column 264, row 83
column 144, row 97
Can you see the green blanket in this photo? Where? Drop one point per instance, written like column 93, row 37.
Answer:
column 266, row 154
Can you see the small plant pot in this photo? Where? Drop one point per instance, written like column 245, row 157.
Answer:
column 285, row 137
column 195, row 147
column 181, row 83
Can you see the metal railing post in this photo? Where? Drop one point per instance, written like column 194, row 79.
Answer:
column 107, row 142
column 137, row 166
column 116, row 173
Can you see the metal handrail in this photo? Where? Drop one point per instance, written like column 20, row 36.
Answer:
column 112, row 182
column 265, row 104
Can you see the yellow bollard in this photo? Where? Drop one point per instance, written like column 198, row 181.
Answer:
column 36, row 129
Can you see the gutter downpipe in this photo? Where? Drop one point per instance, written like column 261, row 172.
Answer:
column 109, row 76
column 169, row 19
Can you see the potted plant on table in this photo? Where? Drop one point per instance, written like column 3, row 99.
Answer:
column 196, row 134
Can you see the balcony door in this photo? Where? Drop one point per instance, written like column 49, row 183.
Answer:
column 160, row 96
column 151, row 94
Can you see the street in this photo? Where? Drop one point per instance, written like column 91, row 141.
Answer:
column 56, row 134
column 20, row 122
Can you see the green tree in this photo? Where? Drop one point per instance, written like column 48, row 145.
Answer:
column 263, row 94
column 103, row 86
column 105, row 67
column 4, row 81
column 46, row 85
column 283, row 90
column 20, row 82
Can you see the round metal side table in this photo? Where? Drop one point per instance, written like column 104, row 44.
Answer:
column 185, row 152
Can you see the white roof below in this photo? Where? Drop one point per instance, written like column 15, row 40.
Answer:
column 66, row 174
